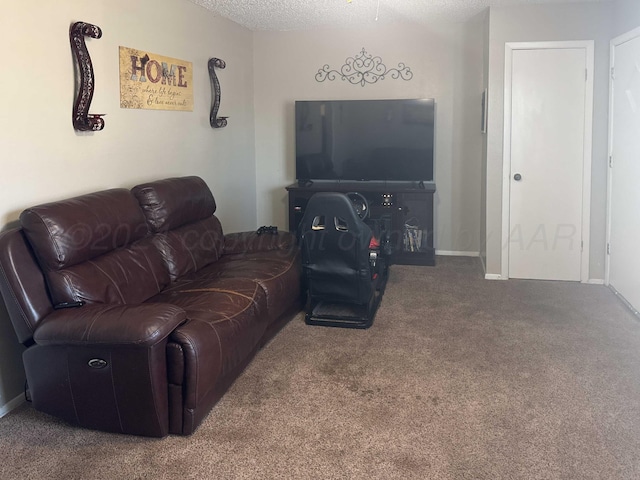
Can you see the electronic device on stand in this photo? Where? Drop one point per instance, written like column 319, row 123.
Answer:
column 382, row 150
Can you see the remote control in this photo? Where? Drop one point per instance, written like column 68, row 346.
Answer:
column 264, row 229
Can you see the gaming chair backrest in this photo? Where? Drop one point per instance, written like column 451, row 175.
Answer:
column 335, row 250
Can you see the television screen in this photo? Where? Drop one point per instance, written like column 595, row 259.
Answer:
column 385, row 140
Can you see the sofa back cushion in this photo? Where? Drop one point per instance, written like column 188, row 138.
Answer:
column 95, row 248
column 180, row 211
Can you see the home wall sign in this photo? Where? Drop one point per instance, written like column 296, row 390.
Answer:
column 85, row 80
column 154, row 82
column 214, row 120
column 362, row 69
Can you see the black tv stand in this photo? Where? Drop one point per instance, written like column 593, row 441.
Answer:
column 403, row 209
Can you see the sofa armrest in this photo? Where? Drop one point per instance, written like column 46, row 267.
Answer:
column 251, row 242
column 141, row 325
column 104, row 366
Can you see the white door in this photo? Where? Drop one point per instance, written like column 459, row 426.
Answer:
column 624, row 207
column 547, row 123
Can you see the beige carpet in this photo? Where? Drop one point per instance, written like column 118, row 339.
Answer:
column 459, row 378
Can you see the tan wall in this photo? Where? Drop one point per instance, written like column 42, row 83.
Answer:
column 44, row 159
column 446, row 61
column 483, row 168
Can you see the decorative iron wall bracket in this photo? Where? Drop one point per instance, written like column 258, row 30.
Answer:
column 363, row 69
column 85, row 81
column 214, row 120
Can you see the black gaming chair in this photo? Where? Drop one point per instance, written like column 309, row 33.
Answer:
column 343, row 276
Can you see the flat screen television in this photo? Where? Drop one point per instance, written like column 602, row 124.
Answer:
column 383, row 140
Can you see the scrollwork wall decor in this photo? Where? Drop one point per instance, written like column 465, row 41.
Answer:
column 362, row 69
column 214, row 120
column 85, row 80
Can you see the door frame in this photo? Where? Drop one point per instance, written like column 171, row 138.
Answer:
column 619, row 40
column 588, row 46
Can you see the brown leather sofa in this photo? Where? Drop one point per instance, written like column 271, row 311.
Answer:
column 136, row 310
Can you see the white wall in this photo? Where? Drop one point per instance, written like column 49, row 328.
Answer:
column 44, row 159
column 627, row 16
column 587, row 21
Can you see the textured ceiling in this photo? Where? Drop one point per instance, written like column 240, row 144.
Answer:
column 282, row 15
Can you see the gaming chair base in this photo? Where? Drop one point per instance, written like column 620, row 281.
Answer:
column 344, row 315
column 339, row 315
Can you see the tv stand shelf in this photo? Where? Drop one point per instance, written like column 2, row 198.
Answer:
column 403, row 210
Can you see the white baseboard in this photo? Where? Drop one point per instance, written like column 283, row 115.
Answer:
column 497, row 276
column 487, row 276
column 11, row 405
column 625, row 301
column 453, row 253
column 493, row 276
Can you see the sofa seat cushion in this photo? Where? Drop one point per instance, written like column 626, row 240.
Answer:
column 226, row 321
column 215, row 299
column 277, row 273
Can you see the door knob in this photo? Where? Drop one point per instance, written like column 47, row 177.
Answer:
column 517, row 177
